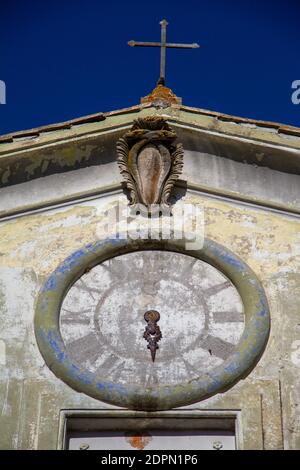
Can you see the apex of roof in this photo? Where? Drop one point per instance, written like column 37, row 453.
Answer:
column 160, row 101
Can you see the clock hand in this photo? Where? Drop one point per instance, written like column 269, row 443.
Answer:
column 152, row 332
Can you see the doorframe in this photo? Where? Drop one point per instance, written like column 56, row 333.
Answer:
column 217, row 419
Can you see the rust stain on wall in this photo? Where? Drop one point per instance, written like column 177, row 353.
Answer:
column 138, row 440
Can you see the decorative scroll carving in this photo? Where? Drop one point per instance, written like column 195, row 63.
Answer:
column 149, row 161
column 152, row 332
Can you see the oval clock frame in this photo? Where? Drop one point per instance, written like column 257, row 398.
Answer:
column 236, row 366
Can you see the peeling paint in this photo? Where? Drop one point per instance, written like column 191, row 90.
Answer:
column 30, row 394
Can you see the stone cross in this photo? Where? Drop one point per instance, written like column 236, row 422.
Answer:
column 163, row 45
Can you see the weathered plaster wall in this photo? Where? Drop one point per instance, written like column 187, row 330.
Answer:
column 31, row 247
column 55, row 185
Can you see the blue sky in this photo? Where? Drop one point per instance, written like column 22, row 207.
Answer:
column 64, row 59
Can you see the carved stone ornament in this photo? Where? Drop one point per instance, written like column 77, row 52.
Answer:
column 152, row 332
column 149, row 161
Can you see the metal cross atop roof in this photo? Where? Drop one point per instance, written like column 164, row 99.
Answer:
column 163, row 45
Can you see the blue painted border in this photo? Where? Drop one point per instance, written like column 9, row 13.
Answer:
column 237, row 366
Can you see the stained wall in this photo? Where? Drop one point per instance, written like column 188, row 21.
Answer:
column 267, row 238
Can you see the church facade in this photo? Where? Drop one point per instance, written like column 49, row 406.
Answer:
column 84, row 360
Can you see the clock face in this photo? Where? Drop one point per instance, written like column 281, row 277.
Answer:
column 102, row 319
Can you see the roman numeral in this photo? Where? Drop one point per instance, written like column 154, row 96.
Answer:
column 86, row 348
column 76, row 318
column 186, row 271
column 114, row 267
column 228, row 316
column 150, row 377
column 112, row 365
column 90, row 290
column 217, row 347
column 190, row 368
column 217, row 288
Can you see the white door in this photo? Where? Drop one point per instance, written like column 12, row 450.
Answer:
column 151, row 440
